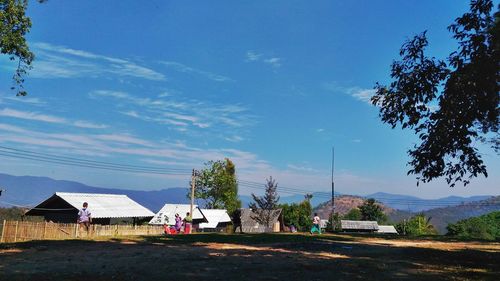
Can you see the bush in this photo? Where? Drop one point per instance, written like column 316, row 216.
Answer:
column 486, row 227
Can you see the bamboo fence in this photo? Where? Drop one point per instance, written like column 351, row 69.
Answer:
column 18, row 231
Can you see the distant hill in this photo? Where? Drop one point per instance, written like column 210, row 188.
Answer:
column 441, row 217
column 29, row 190
column 343, row 204
column 415, row 204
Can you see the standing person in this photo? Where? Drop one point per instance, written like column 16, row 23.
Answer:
column 84, row 217
column 188, row 223
column 178, row 223
column 316, row 222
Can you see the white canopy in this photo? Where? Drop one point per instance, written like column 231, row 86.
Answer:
column 167, row 214
column 214, row 217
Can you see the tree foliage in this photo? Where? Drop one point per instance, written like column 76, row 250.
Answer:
column 485, row 227
column 354, row 214
column 371, row 211
column 416, row 226
column 298, row 215
column 264, row 206
column 450, row 104
column 13, row 29
column 217, row 186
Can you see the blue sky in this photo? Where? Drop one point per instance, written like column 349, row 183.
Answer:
column 270, row 84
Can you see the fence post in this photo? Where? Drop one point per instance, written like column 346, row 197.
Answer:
column 44, row 230
column 3, row 231
column 15, row 233
column 76, row 230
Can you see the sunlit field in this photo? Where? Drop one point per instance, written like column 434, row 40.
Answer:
column 249, row 257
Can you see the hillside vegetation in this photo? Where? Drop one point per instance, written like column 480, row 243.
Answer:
column 485, row 227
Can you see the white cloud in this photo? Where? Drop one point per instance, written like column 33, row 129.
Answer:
column 7, row 112
column 252, row 56
column 274, row 62
column 234, row 138
column 31, row 116
column 361, row 94
column 320, row 130
column 89, row 125
column 181, row 115
column 187, row 69
column 61, row 62
column 27, row 100
column 356, row 140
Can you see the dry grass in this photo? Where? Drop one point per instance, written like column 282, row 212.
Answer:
column 250, row 257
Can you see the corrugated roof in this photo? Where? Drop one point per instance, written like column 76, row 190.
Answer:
column 167, row 213
column 358, row 225
column 106, row 205
column 214, row 217
column 387, row 229
column 249, row 224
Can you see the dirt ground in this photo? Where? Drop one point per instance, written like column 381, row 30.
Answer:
column 250, row 257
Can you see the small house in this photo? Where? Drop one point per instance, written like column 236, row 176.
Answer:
column 250, row 225
column 218, row 220
column 63, row 207
column 167, row 214
column 358, row 226
column 387, row 229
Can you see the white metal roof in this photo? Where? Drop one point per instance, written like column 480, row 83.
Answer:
column 214, row 217
column 387, row 229
column 358, row 225
column 106, row 205
column 167, row 213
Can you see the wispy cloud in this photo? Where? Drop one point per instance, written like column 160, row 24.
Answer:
column 252, row 56
column 61, row 62
column 181, row 115
column 274, row 62
column 26, row 100
column 361, row 94
column 27, row 115
column 191, row 70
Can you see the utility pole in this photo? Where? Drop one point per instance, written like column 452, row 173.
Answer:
column 193, row 185
column 333, row 183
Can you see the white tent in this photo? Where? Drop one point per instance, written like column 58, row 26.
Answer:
column 167, row 214
column 387, row 229
column 214, row 218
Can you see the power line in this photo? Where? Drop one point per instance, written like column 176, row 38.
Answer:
column 68, row 161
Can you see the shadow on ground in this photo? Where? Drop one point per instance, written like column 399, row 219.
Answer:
column 241, row 257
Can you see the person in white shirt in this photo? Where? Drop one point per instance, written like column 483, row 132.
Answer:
column 316, row 227
column 84, row 217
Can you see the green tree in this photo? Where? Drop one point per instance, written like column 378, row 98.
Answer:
column 13, row 29
column 485, row 227
column 354, row 214
column 298, row 215
column 416, row 226
column 371, row 211
column 264, row 206
column 217, row 186
column 449, row 105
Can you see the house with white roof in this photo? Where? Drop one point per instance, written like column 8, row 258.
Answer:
column 217, row 219
column 63, row 207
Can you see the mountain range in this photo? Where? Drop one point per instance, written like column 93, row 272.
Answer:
column 31, row 190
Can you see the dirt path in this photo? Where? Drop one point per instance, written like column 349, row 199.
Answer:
column 217, row 258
